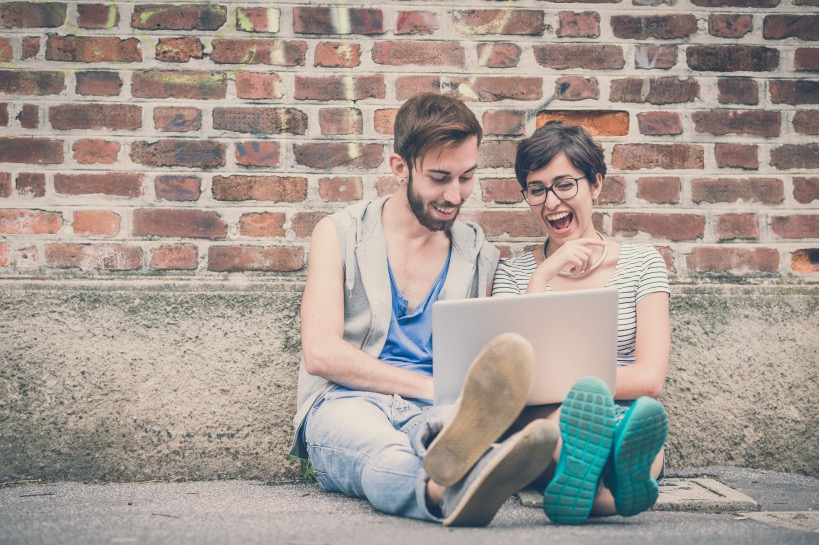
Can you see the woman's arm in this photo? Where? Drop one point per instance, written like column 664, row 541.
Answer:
column 647, row 375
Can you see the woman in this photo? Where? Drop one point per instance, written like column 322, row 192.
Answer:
column 611, row 454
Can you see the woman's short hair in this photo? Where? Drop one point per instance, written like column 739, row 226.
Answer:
column 428, row 121
column 556, row 137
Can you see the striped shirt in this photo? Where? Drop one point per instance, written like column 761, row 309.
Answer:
column 640, row 271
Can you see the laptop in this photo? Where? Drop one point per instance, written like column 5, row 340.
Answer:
column 574, row 334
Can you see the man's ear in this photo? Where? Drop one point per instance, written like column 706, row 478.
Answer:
column 399, row 166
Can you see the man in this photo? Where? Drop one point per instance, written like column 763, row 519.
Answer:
column 374, row 271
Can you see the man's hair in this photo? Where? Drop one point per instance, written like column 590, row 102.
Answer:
column 556, row 137
column 428, row 121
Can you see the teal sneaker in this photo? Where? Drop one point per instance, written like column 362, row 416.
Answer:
column 638, row 438
column 587, row 429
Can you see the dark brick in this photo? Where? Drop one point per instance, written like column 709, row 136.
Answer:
column 806, row 59
column 179, row 49
column 659, row 123
column 779, row 27
column 499, row 223
column 588, row 57
column 178, row 17
column 119, row 184
column 795, row 156
column 497, row 154
column 303, row 223
column 258, row 51
column 737, row 91
column 97, row 16
column 31, row 47
column 736, row 3
column 761, row 190
column 326, row 88
column 577, row 88
column 730, row 259
column 501, row 190
column 732, row 58
column 737, row 226
column 178, row 188
column 737, row 156
column 177, row 119
column 806, row 122
column 32, row 14
column 179, row 153
column 321, row 20
column 794, row 92
column 98, row 83
column 176, row 84
column 92, row 151
column 578, row 25
column 178, row 223
column 675, row 227
column 722, row 122
column 92, row 49
column 614, row 190
column 521, row 22
column 259, row 188
column 41, row 151
column 6, row 51
column 730, row 25
column 257, row 154
column 422, row 53
column 29, row 116
column 24, row 82
column 260, row 120
column 4, row 114
column 5, row 185
column 409, row 86
column 504, row 122
column 339, row 154
column 656, row 57
column 495, row 88
column 659, row 189
column 806, row 190
column 658, row 27
column 655, row 91
column 32, row 184
column 95, row 116
column 796, row 226
column 255, row 258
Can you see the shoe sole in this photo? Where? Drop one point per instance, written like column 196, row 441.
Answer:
column 587, row 430
column 643, row 436
column 527, row 456
column 493, row 396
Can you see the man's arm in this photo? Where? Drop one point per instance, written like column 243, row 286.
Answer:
column 326, row 353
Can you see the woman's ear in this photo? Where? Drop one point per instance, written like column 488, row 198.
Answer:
column 597, row 186
column 398, row 166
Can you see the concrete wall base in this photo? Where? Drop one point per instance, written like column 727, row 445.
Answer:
column 138, row 380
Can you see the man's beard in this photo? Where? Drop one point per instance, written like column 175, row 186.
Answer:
column 424, row 216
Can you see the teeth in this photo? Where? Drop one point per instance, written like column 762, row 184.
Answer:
column 559, row 215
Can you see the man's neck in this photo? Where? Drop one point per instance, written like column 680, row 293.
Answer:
column 398, row 220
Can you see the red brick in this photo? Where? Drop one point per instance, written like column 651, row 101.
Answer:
column 409, row 86
column 177, row 119
column 730, row 25
column 26, row 82
column 340, row 189
column 806, row 190
column 90, row 151
column 31, row 184
column 175, row 257
column 732, row 260
column 736, row 3
column 795, row 156
column 722, row 122
column 96, row 222
column 614, row 190
column 257, row 153
column 581, row 56
column 498, row 55
column 659, row 123
column 495, row 88
column 337, row 55
column 805, row 261
column 779, row 27
column 794, row 92
column 501, row 190
column 109, row 257
column 179, row 153
column 497, row 154
column 737, row 226
column 732, row 58
column 416, row 22
column 674, row 227
column 657, row 156
column 258, row 51
column 4, row 114
column 6, row 51
column 737, row 91
column 32, row 14
column 29, row 116
column 178, row 223
column 264, row 224
column 577, row 88
column 504, row 122
column 259, row 188
column 384, row 120
column 519, row 22
column 41, row 151
column 512, row 223
column 256, row 85
column 260, row 120
column 97, row 16
column 29, row 222
column 31, row 47
column 95, row 116
column 259, row 19
column 92, row 49
column 762, row 190
column 339, row 154
column 796, row 226
column 657, row 57
column 178, row 17
column 737, row 156
column 177, row 84
column 5, row 185
column 337, row 20
column 578, row 25
column 806, row 59
column 668, row 257
column 654, row 91
column 4, row 254
column 335, row 121
column 303, row 223
column 597, row 122
column 421, row 53
column 325, row 88
column 119, row 184
column 98, row 83
column 657, row 27
column 806, row 2
column 255, row 258
column 178, row 188
column 660, row 189
column 179, row 49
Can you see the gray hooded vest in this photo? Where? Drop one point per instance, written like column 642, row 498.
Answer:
column 367, row 301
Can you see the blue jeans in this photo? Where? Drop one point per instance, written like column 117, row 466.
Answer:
column 372, row 446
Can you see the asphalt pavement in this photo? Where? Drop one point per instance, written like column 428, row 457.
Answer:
column 739, row 506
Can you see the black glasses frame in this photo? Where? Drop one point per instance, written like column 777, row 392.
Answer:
column 552, row 189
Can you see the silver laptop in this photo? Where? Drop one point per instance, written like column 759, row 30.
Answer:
column 574, row 334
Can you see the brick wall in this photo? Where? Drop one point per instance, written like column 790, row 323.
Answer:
column 194, row 139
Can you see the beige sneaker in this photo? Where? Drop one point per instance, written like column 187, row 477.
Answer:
column 493, row 396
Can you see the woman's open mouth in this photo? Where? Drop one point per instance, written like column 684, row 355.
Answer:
column 561, row 221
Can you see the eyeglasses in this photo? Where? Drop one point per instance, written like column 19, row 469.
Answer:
column 563, row 188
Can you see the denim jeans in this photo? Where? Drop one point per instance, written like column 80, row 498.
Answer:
column 371, row 446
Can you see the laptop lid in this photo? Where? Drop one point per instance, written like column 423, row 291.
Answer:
column 574, row 334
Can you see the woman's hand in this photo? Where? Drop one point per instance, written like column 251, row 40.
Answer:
column 574, row 256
